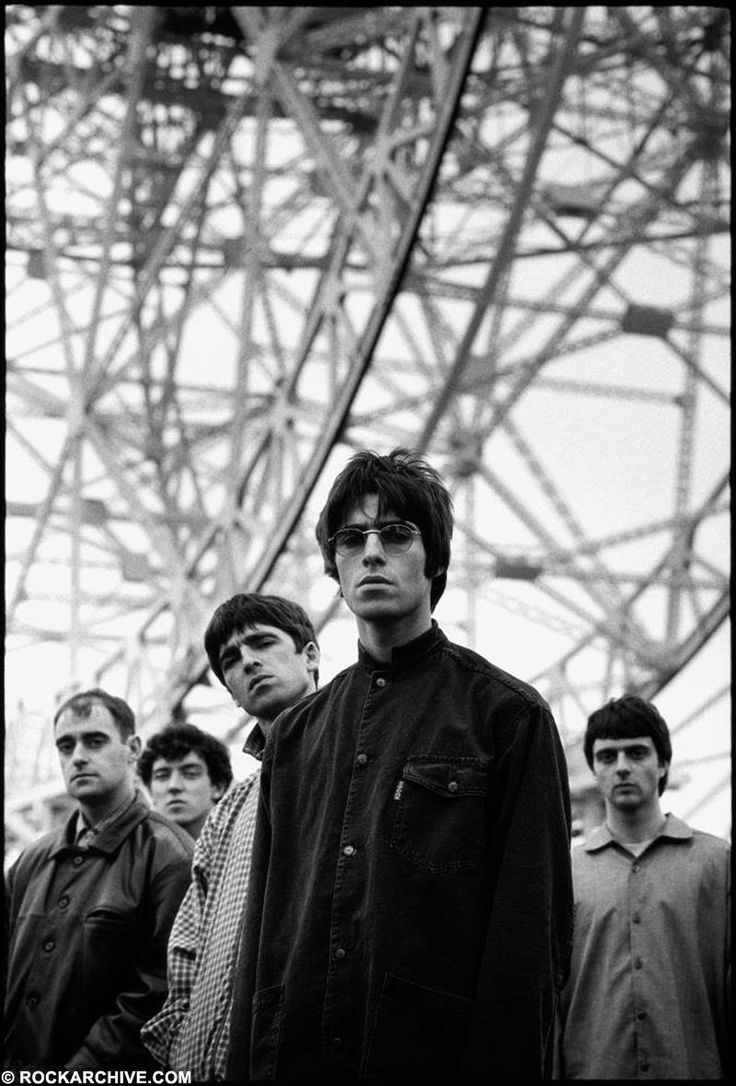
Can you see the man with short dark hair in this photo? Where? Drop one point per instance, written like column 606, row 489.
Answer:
column 410, row 905
column 647, row 995
column 264, row 650
column 90, row 906
column 186, row 771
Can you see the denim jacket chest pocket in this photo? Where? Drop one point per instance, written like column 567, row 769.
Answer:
column 439, row 812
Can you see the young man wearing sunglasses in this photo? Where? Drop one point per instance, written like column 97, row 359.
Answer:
column 410, row 909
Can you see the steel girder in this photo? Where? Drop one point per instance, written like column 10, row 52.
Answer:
column 243, row 242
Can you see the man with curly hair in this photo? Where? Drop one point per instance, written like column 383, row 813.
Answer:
column 186, row 771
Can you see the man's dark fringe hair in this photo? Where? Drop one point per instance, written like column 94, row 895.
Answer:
column 628, row 718
column 82, row 702
column 249, row 609
column 408, row 486
column 176, row 741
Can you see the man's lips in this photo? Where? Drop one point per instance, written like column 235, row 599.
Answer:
column 254, row 683
column 82, row 776
column 366, row 582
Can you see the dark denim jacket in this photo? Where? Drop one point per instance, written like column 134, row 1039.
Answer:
column 410, row 903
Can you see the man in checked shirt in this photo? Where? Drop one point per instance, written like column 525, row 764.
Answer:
column 264, row 650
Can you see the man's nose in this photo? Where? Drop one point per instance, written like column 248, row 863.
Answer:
column 249, row 657
column 373, row 549
column 174, row 782
column 79, row 754
column 622, row 763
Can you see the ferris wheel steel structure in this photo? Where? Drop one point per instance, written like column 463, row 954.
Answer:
column 243, row 242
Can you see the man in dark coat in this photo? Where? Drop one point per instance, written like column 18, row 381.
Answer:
column 410, row 903
column 90, row 906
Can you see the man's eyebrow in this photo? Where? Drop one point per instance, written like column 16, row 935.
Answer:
column 245, row 639
column 379, row 522
column 625, row 746
column 80, row 735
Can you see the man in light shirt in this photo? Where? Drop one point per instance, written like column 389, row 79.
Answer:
column 647, row 994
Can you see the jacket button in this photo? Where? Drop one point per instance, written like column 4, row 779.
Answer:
column 381, row 682
column 636, row 918
column 340, row 954
column 49, row 945
column 641, row 1015
column 638, row 963
column 362, row 759
column 337, row 1042
column 32, row 1001
column 78, row 860
column 348, row 850
column 63, row 902
column 453, row 786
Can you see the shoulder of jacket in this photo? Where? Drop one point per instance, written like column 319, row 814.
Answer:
column 36, row 851
column 166, row 833
column 471, row 661
column 314, row 702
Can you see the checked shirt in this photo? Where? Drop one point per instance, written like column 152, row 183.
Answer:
column 191, row 1032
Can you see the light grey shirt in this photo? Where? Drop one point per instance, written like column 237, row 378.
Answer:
column 647, row 996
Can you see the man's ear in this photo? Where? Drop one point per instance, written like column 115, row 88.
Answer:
column 135, row 746
column 312, row 655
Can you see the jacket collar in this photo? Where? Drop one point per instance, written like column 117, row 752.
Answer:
column 405, row 655
column 673, row 828
column 111, row 837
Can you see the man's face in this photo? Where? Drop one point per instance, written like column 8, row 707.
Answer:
column 96, row 761
column 182, row 790
column 379, row 587
column 264, row 672
column 628, row 771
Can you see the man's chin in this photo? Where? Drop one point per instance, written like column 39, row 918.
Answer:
column 629, row 801
column 266, row 707
column 83, row 788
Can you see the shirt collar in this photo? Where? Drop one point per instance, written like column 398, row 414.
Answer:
column 110, row 832
column 404, row 656
column 673, row 828
column 255, row 742
column 85, row 833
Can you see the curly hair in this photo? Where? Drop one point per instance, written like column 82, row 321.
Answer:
column 178, row 740
column 408, row 486
column 628, row 718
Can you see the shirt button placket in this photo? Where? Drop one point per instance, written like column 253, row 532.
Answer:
column 636, row 937
column 340, row 981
